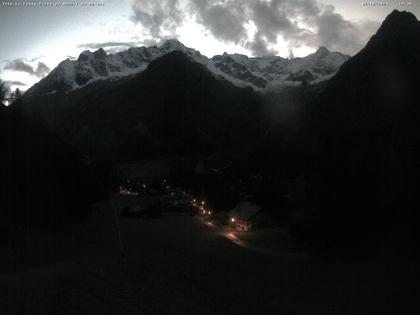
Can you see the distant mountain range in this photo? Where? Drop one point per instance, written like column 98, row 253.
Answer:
column 101, row 103
column 174, row 107
column 259, row 72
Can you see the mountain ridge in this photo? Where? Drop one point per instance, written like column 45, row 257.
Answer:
column 256, row 72
column 363, row 135
column 174, row 90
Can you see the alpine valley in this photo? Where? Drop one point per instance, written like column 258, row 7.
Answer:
column 345, row 128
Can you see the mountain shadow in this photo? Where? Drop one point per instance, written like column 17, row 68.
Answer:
column 175, row 107
column 43, row 180
column 362, row 140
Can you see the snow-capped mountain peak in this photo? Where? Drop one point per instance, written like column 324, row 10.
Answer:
column 322, row 51
column 84, row 56
column 263, row 72
column 100, row 53
column 258, row 72
column 173, row 44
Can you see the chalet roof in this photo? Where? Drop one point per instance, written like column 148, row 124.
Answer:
column 245, row 210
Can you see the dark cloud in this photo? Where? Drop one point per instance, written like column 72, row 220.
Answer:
column 298, row 22
column 107, row 45
column 225, row 19
column 259, row 46
column 19, row 65
column 335, row 33
column 16, row 83
column 158, row 16
column 271, row 19
column 42, row 70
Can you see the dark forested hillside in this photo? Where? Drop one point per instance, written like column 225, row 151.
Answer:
column 176, row 106
column 42, row 179
column 363, row 138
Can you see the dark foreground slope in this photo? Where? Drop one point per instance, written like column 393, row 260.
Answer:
column 42, row 179
column 363, row 137
column 175, row 107
column 177, row 265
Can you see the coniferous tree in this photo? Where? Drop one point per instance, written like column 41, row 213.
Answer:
column 2, row 92
column 18, row 93
column 15, row 96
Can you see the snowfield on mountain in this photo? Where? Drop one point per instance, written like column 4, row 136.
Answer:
column 260, row 73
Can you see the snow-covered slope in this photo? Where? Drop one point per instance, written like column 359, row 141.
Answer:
column 259, row 72
column 265, row 71
column 98, row 65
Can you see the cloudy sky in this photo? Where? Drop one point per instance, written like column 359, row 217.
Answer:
column 36, row 36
